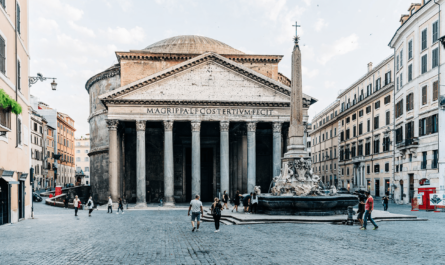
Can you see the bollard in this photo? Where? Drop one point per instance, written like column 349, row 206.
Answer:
column 350, row 220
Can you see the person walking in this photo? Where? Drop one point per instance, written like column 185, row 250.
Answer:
column 369, row 207
column 225, row 199
column 216, row 212
column 236, row 200
column 196, row 208
column 254, row 203
column 66, row 203
column 385, row 203
column 76, row 203
column 361, row 210
column 110, row 205
column 120, row 206
column 90, row 205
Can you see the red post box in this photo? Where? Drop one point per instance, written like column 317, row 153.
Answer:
column 425, row 191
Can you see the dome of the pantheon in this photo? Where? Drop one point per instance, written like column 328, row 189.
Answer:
column 191, row 44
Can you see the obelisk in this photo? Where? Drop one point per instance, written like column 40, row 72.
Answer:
column 296, row 148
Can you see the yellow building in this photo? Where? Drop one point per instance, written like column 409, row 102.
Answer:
column 352, row 138
column 65, row 147
column 15, row 189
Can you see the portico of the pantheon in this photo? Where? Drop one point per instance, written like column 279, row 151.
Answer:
column 187, row 115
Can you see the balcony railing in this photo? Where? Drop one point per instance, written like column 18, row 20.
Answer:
column 408, row 142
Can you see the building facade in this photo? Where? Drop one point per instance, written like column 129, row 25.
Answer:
column 187, row 115
column 15, row 162
column 38, row 142
column 65, row 148
column 50, row 144
column 418, row 56
column 82, row 147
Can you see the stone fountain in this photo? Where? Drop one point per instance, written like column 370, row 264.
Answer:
column 296, row 190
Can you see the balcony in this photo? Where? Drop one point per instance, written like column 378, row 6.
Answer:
column 358, row 159
column 408, row 143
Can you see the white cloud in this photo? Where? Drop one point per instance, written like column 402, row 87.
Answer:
column 320, row 24
column 44, row 24
column 329, row 84
column 83, row 30
column 308, row 2
column 308, row 73
column 339, row 47
column 245, row 50
column 126, row 36
column 126, row 5
column 61, row 9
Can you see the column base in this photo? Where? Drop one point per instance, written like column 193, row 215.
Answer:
column 169, row 202
column 140, row 205
column 296, row 151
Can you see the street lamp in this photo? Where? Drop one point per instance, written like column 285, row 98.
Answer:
column 35, row 79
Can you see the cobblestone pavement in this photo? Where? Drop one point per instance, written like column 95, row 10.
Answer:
column 165, row 237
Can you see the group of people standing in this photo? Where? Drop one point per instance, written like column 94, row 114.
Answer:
column 90, row 204
column 365, row 208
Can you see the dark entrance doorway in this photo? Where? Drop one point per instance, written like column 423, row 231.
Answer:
column 207, row 174
column 22, row 200
column 411, row 187
column 4, row 202
column 377, row 188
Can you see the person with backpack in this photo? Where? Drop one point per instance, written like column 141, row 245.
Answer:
column 216, row 212
column 90, row 205
column 120, row 206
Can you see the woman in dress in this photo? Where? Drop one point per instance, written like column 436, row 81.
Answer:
column 236, row 201
column 225, row 199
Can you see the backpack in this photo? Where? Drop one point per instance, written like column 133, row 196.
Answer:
column 217, row 210
column 89, row 203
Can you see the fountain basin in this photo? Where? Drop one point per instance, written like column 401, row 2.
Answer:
column 305, row 205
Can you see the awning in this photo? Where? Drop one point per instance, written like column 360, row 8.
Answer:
column 23, row 176
column 8, row 177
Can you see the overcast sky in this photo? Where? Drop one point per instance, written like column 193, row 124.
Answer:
column 73, row 40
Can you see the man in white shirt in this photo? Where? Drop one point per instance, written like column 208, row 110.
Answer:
column 76, row 205
column 110, row 205
column 196, row 208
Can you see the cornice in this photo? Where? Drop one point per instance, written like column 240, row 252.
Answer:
column 97, row 113
column 195, row 103
column 98, row 150
column 273, row 84
column 111, row 72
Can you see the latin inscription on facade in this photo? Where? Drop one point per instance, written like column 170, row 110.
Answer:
column 210, row 111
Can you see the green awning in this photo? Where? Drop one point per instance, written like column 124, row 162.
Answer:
column 8, row 177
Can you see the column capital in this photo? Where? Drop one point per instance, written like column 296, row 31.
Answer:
column 276, row 126
column 112, row 124
column 224, row 126
column 141, row 125
column 168, row 125
column 251, row 126
column 196, row 126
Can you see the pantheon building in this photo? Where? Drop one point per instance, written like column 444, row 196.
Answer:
column 187, row 115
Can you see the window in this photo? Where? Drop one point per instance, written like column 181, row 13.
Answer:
column 77, row 159
column 347, row 170
column 399, row 108
column 376, row 122
column 424, row 95
column 435, row 159
column 435, row 90
column 78, row 151
column 3, row 3
column 347, row 120
column 368, row 125
column 401, row 80
column 428, row 125
column 353, row 151
column 435, row 31
column 387, row 99
column 409, row 130
column 387, row 78
column 19, row 131
column 360, row 113
column 410, row 49
column 410, row 102
column 424, row 63
column 368, row 109
column 397, row 63
column 5, row 117
column 368, row 148
column 360, row 149
column 347, row 134
column 378, row 84
column 388, row 118
column 386, row 144
column 18, row 18
column 87, row 169
column 376, row 168
column 19, row 76
column 376, row 146
column 386, row 167
column 410, row 72
column 86, row 151
column 399, row 134
column 342, row 136
column 2, row 55
column 354, row 131
column 401, row 58
column 435, row 58
column 354, row 116
column 335, row 131
column 424, row 41
column 360, row 129
column 377, row 105
column 423, row 164
column 397, row 83
column 368, row 90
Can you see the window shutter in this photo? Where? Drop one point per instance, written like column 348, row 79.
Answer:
column 18, row 18
column 424, row 99
column 428, row 125
column 435, row 91
column 420, row 127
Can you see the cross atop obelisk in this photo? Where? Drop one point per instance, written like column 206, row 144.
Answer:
column 296, row 148
column 296, row 31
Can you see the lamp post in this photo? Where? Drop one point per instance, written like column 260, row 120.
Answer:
column 35, row 79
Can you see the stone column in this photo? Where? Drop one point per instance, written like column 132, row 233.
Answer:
column 169, row 200
column 364, row 178
column 251, row 156
column 354, row 175
column 140, row 164
column 113, row 181
column 196, row 158
column 276, row 148
column 224, row 156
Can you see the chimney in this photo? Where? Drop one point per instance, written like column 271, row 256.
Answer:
column 369, row 67
column 423, row 2
column 403, row 18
